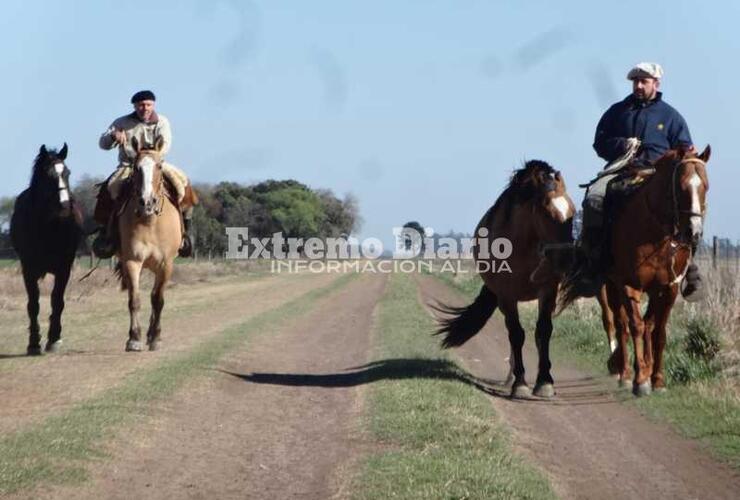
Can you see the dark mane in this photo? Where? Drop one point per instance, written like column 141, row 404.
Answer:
column 524, row 185
column 37, row 171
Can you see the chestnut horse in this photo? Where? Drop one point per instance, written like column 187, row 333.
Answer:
column 45, row 231
column 652, row 238
column 150, row 230
column 533, row 211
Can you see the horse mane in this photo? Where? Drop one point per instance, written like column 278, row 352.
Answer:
column 523, row 186
column 37, row 170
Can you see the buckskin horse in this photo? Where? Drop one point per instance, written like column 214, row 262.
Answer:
column 150, row 231
column 45, row 231
column 533, row 212
column 651, row 243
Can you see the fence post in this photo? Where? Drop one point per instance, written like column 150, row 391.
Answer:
column 715, row 251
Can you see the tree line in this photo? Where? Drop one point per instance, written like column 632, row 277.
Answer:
column 267, row 207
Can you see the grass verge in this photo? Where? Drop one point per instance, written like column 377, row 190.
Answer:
column 59, row 449
column 441, row 435
column 701, row 402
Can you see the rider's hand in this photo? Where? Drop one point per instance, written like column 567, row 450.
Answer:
column 119, row 136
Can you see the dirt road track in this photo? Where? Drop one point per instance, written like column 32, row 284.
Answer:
column 267, row 425
column 93, row 358
column 590, row 445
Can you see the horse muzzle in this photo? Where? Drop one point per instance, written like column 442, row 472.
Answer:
column 696, row 228
column 148, row 206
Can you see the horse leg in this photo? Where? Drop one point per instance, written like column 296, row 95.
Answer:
column 546, row 305
column 32, row 307
column 607, row 320
column 132, row 271
column 649, row 320
column 619, row 360
column 54, row 340
column 662, row 313
column 153, row 334
column 516, row 340
column 641, row 383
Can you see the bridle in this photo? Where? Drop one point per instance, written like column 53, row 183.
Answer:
column 677, row 211
column 160, row 186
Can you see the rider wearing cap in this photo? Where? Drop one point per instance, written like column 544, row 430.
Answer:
column 145, row 127
column 646, row 126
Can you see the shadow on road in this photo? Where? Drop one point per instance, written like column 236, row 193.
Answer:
column 589, row 391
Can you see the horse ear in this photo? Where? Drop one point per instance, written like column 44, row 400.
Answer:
column 159, row 144
column 63, row 153
column 43, row 151
column 704, row 156
column 135, row 144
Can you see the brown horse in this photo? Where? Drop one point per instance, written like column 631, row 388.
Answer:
column 150, row 230
column 534, row 211
column 652, row 239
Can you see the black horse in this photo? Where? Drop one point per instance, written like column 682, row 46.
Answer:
column 45, row 231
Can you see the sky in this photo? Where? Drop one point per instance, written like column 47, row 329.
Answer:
column 421, row 109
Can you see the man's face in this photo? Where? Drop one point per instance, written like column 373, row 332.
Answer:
column 645, row 89
column 144, row 109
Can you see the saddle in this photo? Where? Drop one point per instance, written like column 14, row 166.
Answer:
column 620, row 189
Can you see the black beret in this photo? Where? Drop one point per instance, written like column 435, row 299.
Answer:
column 143, row 95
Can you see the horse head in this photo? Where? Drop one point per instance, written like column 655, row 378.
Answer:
column 50, row 181
column 688, row 187
column 552, row 205
column 148, row 179
column 692, row 185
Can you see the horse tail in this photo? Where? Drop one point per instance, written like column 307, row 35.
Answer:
column 466, row 321
column 569, row 290
column 118, row 272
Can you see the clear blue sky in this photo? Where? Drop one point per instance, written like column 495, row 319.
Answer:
column 419, row 108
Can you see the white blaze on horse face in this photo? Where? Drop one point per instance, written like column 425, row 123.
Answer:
column 63, row 189
column 696, row 223
column 147, row 169
column 563, row 207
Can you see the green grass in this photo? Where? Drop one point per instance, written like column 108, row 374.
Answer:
column 440, row 435
column 699, row 404
column 59, row 449
column 8, row 263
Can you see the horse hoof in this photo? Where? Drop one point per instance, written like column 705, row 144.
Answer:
column 624, row 383
column 643, row 389
column 521, row 391
column 55, row 346
column 544, row 390
column 34, row 350
column 154, row 346
column 134, row 346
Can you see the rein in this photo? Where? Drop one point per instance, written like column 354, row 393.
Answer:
column 160, row 191
column 674, row 240
column 676, row 210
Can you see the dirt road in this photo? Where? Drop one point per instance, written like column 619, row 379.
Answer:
column 590, row 446
column 267, row 425
column 93, row 358
column 280, row 417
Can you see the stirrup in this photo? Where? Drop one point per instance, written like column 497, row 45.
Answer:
column 186, row 247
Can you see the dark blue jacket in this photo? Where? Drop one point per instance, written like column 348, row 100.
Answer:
column 655, row 123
